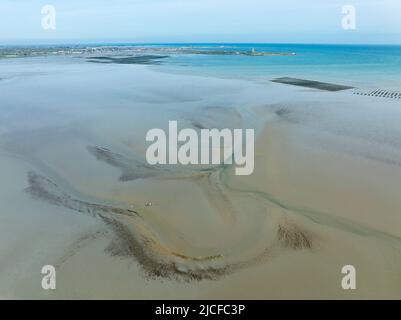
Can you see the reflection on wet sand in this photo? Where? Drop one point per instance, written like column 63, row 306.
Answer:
column 325, row 191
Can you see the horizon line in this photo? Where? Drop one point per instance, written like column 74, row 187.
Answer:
column 112, row 42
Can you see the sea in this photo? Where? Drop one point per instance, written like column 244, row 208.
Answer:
column 354, row 65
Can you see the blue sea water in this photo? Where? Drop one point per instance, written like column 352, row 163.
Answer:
column 365, row 66
column 357, row 65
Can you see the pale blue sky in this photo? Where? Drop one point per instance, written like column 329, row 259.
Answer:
column 308, row 21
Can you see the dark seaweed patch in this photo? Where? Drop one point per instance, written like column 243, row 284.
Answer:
column 131, row 169
column 291, row 236
column 312, row 84
column 126, row 243
column 140, row 59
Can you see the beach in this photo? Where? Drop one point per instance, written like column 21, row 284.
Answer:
column 77, row 192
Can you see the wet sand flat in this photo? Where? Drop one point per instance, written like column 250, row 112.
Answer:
column 312, row 84
column 76, row 188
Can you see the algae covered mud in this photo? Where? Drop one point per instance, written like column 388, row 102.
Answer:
column 77, row 192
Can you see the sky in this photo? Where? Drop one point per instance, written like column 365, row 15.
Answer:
column 156, row 21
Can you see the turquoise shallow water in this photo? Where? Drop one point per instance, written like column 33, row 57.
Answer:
column 358, row 65
column 372, row 66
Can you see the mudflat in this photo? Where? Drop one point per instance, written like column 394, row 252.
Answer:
column 78, row 193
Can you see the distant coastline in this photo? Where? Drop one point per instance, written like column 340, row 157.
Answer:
column 33, row 51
